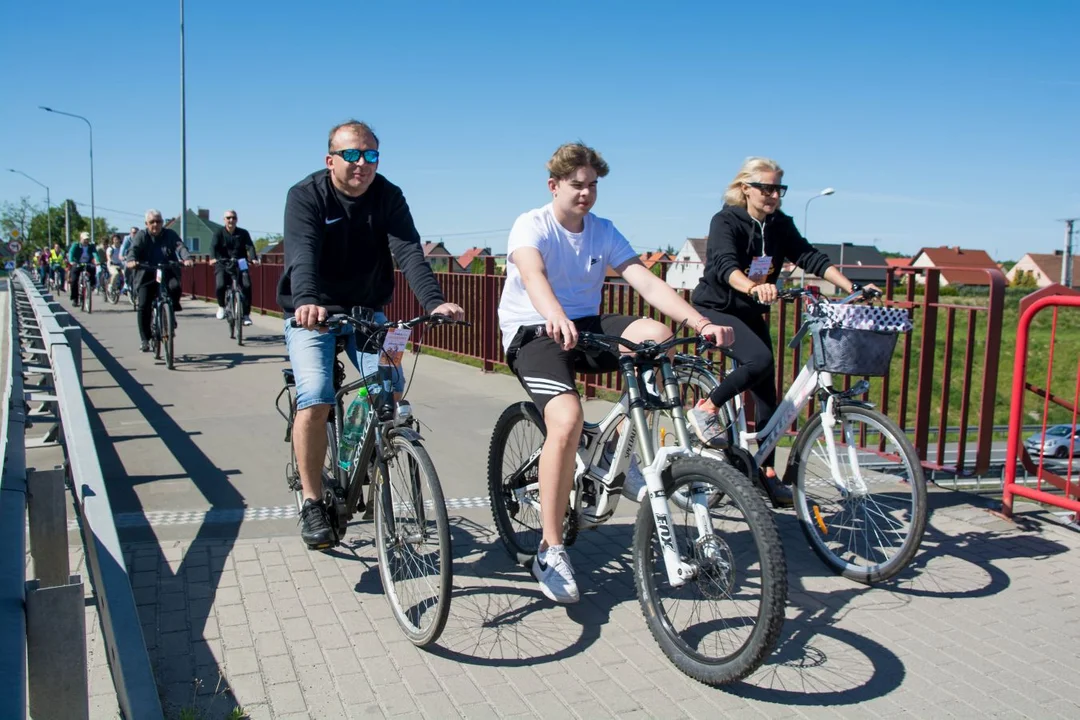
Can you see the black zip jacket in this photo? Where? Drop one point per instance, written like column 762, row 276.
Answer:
column 231, row 247
column 336, row 258
column 735, row 238
column 145, row 248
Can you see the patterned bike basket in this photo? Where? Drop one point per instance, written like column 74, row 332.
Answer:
column 856, row 339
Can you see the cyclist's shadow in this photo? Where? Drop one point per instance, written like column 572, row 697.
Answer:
column 499, row 617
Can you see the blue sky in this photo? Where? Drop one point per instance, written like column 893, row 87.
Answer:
column 937, row 123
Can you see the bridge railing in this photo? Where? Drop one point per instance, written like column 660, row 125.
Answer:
column 944, row 374
column 52, row 606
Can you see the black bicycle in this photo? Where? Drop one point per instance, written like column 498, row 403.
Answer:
column 162, row 319
column 234, row 301
column 86, row 297
column 412, row 531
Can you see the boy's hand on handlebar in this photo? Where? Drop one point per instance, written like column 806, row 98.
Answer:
column 189, row 263
column 451, row 310
column 562, row 330
column 719, row 335
column 765, row 293
column 309, row 316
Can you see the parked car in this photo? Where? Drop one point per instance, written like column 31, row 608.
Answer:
column 1058, row 442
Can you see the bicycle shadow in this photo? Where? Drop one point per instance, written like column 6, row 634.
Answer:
column 264, row 340
column 217, row 362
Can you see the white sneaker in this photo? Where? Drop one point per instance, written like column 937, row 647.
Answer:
column 634, row 485
column 221, row 313
column 247, row 320
column 552, row 569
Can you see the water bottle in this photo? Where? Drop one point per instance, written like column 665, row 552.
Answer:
column 352, row 429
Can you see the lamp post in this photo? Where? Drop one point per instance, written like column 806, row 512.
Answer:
column 805, row 218
column 93, row 219
column 183, row 135
column 48, row 201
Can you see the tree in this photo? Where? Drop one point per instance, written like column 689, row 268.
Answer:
column 16, row 219
column 268, row 241
column 1024, row 279
column 33, row 224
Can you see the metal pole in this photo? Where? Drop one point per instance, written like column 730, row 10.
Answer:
column 67, row 223
column 48, row 202
column 1066, row 259
column 183, row 136
column 93, row 215
column 805, row 221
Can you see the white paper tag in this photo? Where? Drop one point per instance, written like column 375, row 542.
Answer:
column 759, row 268
column 160, row 274
column 394, row 346
column 242, row 264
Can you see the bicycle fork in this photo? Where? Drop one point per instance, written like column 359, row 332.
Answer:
column 828, row 424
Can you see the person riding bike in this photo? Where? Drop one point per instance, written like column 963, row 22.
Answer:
column 344, row 228
column 116, row 263
column 557, row 259
column 125, row 245
column 232, row 243
column 82, row 259
column 42, row 261
column 155, row 245
column 56, row 265
column 749, row 240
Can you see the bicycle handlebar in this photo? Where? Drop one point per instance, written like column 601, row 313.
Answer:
column 340, row 319
column 648, row 349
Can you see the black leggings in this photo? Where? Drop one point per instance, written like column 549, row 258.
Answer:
column 223, row 279
column 756, row 371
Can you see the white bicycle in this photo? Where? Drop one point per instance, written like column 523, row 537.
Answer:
column 708, row 562
column 860, row 491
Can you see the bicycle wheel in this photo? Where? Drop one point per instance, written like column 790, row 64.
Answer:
column 155, row 331
column 238, row 315
column 695, row 385
column 168, row 335
column 867, row 526
column 292, row 471
column 412, row 539
column 514, row 483
column 723, row 623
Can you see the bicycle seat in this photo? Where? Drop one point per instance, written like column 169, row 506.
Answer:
column 290, row 379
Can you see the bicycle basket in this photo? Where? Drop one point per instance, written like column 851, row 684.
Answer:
column 856, row 339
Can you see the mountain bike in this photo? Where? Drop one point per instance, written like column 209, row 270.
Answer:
column 234, row 299
column 162, row 318
column 86, row 296
column 860, row 491
column 390, row 464
column 707, row 558
column 114, row 288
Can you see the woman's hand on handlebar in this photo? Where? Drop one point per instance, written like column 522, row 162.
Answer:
column 719, row 335
column 765, row 293
column 310, row 316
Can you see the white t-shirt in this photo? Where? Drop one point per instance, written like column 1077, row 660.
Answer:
column 576, row 264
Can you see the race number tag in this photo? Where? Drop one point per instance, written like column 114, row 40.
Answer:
column 760, row 268
column 242, row 264
column 159, row 274
column 394, row 346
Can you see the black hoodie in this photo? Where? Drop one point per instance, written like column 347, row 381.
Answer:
column 340, row 251
column 735, row 239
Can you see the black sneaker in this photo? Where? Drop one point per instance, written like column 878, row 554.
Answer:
column 779, row 493
column 315, row 525
column 144, row 346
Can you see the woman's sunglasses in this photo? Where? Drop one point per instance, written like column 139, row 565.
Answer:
column 353, row 155
column 767, row 189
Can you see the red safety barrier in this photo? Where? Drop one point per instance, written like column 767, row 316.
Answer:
column 1069, row 487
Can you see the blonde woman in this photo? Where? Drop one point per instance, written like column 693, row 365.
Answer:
column 749, row 240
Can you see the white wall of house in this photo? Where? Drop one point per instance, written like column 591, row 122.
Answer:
column 1028, row 267
column 923, row 261
column 684, row 273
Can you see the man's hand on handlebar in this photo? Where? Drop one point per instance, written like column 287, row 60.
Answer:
column 562, row 330
column 310, row 316
column 719, row 335
column 451, row 310
column 766, row 293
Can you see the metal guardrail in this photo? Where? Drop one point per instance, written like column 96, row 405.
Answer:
column 60, row 346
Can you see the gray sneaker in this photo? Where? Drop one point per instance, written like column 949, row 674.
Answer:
column 552, row 569
column 706, row 426
column 634, row 486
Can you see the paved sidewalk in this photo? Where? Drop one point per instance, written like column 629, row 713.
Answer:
column 308, row 635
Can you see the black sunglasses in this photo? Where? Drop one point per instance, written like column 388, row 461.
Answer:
column 230, row 217
column 768, row 189
column 353, row 155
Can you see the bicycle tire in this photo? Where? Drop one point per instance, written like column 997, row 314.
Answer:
column 420, row 618
column 811, row 519
column 714, row 577
column 155, row 332
column 168, row 329
column 292, row 473
column 507, row 503
column 238, row 313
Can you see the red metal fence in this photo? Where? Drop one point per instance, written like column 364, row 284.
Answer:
column 1060, row 395
column 943, row 382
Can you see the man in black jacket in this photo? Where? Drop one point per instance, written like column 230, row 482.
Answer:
column 344, row 227
column 155, row 245
column 232, row 243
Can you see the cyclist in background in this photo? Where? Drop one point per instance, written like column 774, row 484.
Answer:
column 232, row 243
column 156, row 245
column 56, row 265
column 81, row 257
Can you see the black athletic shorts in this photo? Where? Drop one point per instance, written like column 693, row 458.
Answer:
column 546, row 370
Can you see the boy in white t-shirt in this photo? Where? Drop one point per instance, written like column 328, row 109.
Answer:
column 557, row 257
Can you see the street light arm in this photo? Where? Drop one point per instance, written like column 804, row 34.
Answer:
column 20, row 172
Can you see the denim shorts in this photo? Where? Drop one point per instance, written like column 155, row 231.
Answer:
column 311, row 354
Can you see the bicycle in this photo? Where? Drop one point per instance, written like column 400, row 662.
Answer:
column 838, row 509
column 234, row 299
column 103, row 280
column 412, row 530
column 162, row 318
column 86, row 299
column 693, row 562
column 114, row 288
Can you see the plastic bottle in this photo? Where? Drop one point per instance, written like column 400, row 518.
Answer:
column 352, row 429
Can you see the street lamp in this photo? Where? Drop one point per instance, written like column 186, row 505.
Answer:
column 805, row 217
column 93, row 220
column 48, row 201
